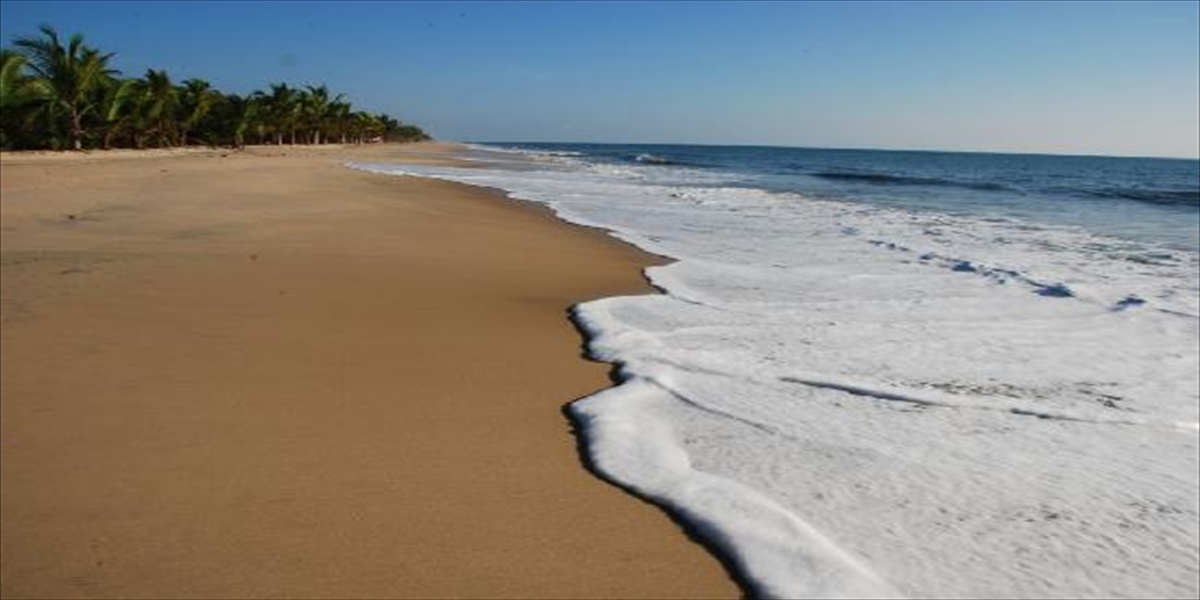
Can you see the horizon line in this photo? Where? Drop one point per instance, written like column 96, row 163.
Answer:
column 851, row 148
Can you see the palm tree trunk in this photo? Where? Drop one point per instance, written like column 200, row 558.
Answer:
column 76, row 129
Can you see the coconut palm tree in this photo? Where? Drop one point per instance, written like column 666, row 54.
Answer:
column 117, row 108
column 20, row 96
column 158, row 102
column 280, row 110
column 243, row 115
column 340, row 118
column 16, row 88
column 71, row 73
column 61, row 94
column 318, row 107
column 196, row 99
column 365, row 127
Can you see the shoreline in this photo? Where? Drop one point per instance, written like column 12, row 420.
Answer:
column 112, row 312
column 775, row 394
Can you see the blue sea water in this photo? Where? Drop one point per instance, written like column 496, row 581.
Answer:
column 896, row 374
column 1146, row 199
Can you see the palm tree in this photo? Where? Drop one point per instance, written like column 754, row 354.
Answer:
column 365, row 127
column 117, row 109
column 280, row 110
column 318, row 107
column 158, row 102
column 340, row 118
column 56, row 94
column 17, row 89
column 71, row 73
column 196, row 98
column 19, row 97
column 244, row 114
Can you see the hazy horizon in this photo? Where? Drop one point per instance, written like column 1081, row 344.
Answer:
column 1075, row 78
column 803, row 147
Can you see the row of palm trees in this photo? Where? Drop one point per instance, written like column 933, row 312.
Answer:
column 65, row 96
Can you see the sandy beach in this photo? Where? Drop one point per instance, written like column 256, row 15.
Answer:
column 262, row 374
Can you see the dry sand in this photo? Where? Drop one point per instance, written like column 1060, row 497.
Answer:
column 257, row 375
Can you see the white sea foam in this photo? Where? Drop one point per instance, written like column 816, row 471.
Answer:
column 854, row 401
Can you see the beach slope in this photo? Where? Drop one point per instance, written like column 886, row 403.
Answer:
column 262, row 374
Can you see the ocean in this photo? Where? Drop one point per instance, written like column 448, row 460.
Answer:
column 896, row 374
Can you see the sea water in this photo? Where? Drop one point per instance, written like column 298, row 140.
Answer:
column 890, row 374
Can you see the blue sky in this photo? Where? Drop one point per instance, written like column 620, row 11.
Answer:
column 1117, row 78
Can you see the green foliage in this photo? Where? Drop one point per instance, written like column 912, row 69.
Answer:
column 19, row 97
column 58, row 96
column 70, row 74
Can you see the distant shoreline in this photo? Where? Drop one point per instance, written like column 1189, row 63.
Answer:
column 424, row 147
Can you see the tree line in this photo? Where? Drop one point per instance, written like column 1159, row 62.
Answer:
column 58, row 97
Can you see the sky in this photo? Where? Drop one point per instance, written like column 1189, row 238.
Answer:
column 1109, row 78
